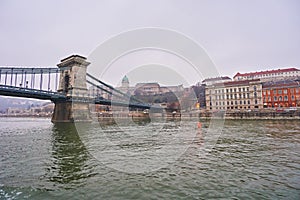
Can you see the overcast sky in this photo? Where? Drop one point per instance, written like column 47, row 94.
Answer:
column 237, row 35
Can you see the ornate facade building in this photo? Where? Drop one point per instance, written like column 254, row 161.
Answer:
column 285, row 93
column 234, row 95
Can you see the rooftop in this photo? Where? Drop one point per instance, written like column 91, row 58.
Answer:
column 234, row 83
column 216, row 79
column 147, row 84
column 295, row 82
column 266, row 72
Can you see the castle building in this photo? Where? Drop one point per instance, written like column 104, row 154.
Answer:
column 125, row 83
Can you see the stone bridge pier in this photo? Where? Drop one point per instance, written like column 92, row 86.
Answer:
column 72, row 84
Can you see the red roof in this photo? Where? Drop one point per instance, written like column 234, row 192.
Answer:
column 267, row 72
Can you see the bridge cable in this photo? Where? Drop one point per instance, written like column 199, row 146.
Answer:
column 111, row 87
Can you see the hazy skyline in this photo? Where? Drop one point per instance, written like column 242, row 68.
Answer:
column 239, row 36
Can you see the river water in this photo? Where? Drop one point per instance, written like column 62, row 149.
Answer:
column 252, row 159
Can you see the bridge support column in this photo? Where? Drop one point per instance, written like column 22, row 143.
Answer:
column 73, row 84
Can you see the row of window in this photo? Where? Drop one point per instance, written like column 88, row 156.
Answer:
column 270, row 75
column 285, row 98
column 281, row 91
column 243, row 89
column 234, row 103
column 233, row 107
column 235, row 96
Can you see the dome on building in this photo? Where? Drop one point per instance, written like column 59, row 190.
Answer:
column 125, row 79
column 125, row 82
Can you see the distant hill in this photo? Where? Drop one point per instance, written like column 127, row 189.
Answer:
column 6, row 102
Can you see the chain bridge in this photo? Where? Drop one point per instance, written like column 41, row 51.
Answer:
column 68, row 86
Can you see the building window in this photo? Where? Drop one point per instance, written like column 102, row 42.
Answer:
column 231, row 102
column 255, row 101
column 255, row 95
column 254, row 88
column 235, row 96
column 280, row 98
column 274, row 91
column 248, row 95
column 227, row 90
column 293, row 97
column 244, row 102
column 241, row 102
column 285, row 98
column 275, row 98
column 240, row 90
column 285, row 91
column 248, row 101
column 243, row 89
column 247, row 89
column 234, row 89
column 230, row 89
column 279, row 91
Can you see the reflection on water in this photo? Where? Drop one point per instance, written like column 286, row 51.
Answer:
column 69, row 166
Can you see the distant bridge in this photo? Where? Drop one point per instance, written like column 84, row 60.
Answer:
column 69, row 86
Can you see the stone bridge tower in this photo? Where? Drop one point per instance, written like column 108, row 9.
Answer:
column 72, row 83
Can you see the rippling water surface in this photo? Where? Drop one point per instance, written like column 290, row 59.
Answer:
column 255, row 159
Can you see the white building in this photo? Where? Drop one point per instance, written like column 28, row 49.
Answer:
column 234, row 95
column 268, row 75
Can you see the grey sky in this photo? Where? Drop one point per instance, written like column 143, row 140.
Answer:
column 238, row 35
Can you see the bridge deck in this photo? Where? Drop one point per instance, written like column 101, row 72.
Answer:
column 30, row 93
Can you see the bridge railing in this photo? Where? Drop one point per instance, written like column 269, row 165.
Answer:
column 45, row 79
